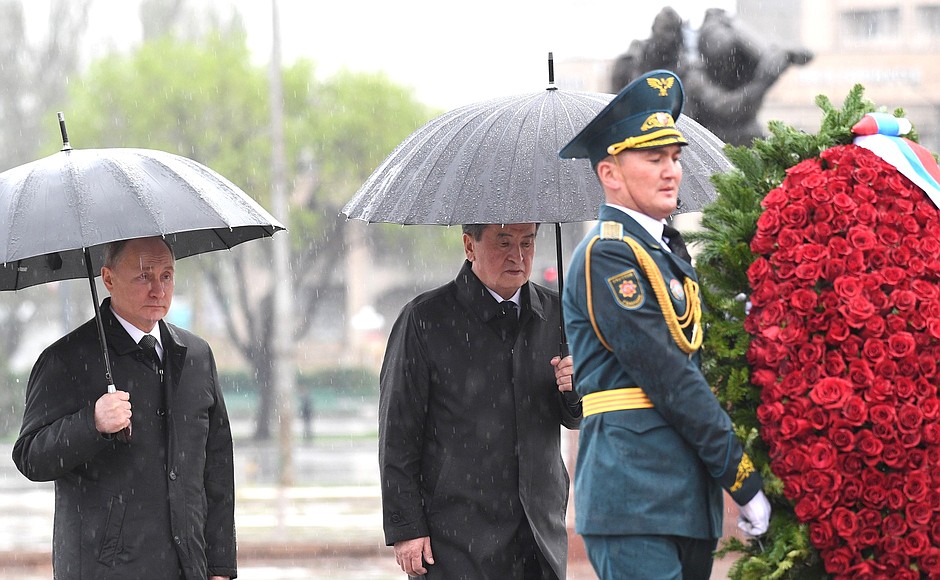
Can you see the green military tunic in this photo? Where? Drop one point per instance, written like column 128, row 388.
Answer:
column 656, row 467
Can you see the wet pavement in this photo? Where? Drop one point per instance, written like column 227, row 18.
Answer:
column 328, row 527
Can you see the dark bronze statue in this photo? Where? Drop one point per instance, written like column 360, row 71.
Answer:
column 726, row 73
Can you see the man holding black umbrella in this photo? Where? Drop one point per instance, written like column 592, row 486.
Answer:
column 473, row 393
column 145, row 497
column 656, row 448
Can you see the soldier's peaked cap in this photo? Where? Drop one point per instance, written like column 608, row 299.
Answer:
column 642, row 116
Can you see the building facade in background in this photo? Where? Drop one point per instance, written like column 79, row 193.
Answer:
column 891, row 47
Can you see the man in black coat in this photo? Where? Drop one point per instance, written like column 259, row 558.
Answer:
column 473, row 394
column 151, row 497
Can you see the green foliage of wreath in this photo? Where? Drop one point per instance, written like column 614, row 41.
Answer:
column 728, row 225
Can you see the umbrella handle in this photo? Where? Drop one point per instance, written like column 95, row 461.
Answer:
column 124, row 435
column 563, row 347
column 100, row 324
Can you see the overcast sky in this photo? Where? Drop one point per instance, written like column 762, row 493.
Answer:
column 450, row 53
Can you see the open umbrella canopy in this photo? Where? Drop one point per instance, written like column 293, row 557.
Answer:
column 57, row 213
column 497, row 162
column 54, row 208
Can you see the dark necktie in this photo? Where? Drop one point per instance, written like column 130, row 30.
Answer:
column 148, row 343
column 508, row 319
column 676, row 243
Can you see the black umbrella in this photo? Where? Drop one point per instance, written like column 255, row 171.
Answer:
column 497, row 162
column 58, row 213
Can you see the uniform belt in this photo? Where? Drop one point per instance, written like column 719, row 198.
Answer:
column 616, row 400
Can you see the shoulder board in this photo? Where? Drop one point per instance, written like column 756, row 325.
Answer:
column 611, row 231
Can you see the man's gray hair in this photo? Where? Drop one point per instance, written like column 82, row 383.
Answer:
column 475, row 231
column 113, row 251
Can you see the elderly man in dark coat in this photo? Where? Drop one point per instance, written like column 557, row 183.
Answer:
column 159, row 503
column 473, row 394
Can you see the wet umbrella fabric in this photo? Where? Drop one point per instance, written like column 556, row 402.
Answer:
column 54, row 208
column 58, row 213
column 497, row 162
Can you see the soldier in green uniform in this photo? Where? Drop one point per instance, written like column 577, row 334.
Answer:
column 656, row 448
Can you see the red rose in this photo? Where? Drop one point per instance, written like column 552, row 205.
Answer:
column 910, row 439
column 844, row 203
column 888, row 236
column 910, row 418
column 930, row 561
column 904, row 387
column 916, row 543
column 897, row 563
column 822, row 455
column 927, row 363
column 917, row 486
column 882, row 414
column 931, row 433
column 894, row 500
column 834, row 364
column 769, row 222
column 864, row 175
column 792, row 331
column 775, row 198
column 900, row 344
column 909, row 222
column 874, row 350
column 831, row 392
column 791, row 427
column 904, row 300
column 794, row 384
column 868, row 444
column 794, row 462
column 919, row 514
column 811, row 352
column 866, row 214
column 894, row 525
column 837, row 561
column 848, row 287
column 838, row 331
column 818, row 418
column 851, row 490
column 861, row 238
column 843, row 438
column 844, row 522
column 794, row 215
column 803, row 301
column 855, row 411
column 893, row 275
column 808, row 507
column 894, row 455
column 855, row 261
column 762, row 243
column 820, row 232
column 874, row 327
column 822, row 535
column 857, row 310
column 860, row 373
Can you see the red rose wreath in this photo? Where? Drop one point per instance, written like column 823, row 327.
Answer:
column 844, row 321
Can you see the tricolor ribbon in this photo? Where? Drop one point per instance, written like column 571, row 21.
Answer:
column 880, row 133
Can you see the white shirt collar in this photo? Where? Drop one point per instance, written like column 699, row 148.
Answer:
column 651, row 225
column 137, row 334
column 517, row 297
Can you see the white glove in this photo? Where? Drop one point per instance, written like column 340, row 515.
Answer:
column 754, row 518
